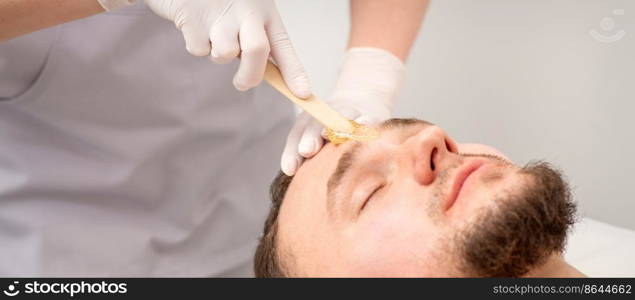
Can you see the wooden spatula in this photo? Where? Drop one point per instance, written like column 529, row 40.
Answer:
column 314, row 106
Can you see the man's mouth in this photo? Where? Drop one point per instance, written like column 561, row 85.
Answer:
column 462, row 174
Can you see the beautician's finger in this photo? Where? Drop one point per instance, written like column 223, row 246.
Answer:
column 285, row 57
column 311, row 141
column 254, row 46
column 225, row 46
column 291, row 159
column 196, row 39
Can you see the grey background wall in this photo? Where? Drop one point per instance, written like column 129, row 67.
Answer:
column 527, row 77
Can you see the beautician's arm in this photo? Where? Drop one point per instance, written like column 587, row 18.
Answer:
column 19, row 17
column 387, row 24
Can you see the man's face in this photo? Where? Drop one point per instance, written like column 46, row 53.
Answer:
column 405, row 204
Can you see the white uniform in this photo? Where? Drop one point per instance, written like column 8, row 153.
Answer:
column 121, row 154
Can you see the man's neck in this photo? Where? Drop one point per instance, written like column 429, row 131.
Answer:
column 555, row 267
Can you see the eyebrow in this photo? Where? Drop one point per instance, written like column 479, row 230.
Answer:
column 343, row 165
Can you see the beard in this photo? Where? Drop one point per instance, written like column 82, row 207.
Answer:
column 522, row 231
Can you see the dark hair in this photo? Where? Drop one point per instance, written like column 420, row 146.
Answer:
column 267, row 262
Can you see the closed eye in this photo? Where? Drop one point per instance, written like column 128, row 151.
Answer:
column 370, row 196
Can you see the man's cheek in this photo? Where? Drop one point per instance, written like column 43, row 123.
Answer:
column 393, row 241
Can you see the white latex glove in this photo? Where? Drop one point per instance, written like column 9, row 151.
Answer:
column 366, row 90
column 226, row 28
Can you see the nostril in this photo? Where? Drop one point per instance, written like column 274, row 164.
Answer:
column 448, row 146
column 432, row 157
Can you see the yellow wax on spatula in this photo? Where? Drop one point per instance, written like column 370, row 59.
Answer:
column 339, row 128
column 360, row 133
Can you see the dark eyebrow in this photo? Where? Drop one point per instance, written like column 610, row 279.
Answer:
column 343, row 165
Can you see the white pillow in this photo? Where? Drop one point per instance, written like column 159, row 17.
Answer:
column 598, row 249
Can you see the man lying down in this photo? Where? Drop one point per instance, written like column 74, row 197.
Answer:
column 416, row 203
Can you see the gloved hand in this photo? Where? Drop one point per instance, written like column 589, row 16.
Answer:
column 365, row 92
column 227, row 28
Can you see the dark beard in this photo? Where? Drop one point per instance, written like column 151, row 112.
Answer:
column 522, row 231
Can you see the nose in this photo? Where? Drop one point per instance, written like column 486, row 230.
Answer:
column 430, row 152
